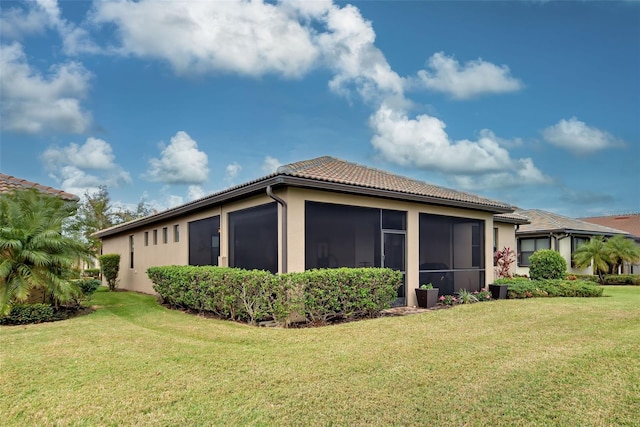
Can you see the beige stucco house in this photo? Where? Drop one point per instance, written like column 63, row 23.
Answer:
column 547, row 230
column 324, row 213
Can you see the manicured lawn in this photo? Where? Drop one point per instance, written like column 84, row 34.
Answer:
column 517, row 362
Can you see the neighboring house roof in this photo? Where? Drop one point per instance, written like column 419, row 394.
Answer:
column 10, row 183
column 629, row 223
column 329, row 173
column 547, row 222
column 511, row 218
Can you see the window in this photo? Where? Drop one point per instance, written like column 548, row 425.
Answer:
column 253, row 238
column 165, row 235
column 451, row 253
column 155, row 237
column 204, row 241
column 176, row 233
column 528, row 246
column 495, row 245
column 575, row 244
column 146, row 238
column 131, row 251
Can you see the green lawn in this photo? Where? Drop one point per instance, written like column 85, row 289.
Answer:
column 561, row 361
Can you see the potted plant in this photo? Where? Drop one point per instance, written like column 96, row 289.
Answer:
column 427, row 296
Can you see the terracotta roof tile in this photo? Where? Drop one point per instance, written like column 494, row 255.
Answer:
column 511, row 218
column 9, row 183
column 543, row 221
column 629, row 223
column 335, row 170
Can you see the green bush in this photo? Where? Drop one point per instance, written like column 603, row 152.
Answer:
column 547, row 264
column 22, row 314
column 88, row 286
column 316, row 296
column 110, row 266
column 518, row 288
column 622, row 279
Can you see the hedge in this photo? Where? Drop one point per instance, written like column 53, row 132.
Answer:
column 550, row 288
column 612, row 279
column 22, row 314
column 314, row 296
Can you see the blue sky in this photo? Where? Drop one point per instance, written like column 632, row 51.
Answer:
column 532, row 103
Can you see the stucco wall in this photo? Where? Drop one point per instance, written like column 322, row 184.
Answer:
column 506, row 238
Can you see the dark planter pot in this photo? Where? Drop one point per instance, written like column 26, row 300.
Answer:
column 498, row 291
column 427, row 298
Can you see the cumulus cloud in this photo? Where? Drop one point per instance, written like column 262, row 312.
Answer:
column 422, row 142
column 33, row 103
column 18, row 22
column 270, row 164
column 475, row 78
column 232, row 170
column 180, row 162
column 195, row 192
column 579, row 138
column 251, row 38
column 93, row 154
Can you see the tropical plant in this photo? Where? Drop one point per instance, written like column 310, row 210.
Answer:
column 466, row 297
column 594, row 252
column 34, row 254
column 547, row 264
column 620, row 250
column 503, row 260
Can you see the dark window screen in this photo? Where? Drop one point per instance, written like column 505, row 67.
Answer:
column 204, row 241
column 253, row 238
column 394, row 220
column 341, row 236
column 451, row 253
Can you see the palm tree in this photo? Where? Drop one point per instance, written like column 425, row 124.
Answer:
column 33, row 252
column 621, row 250
column 594, row 251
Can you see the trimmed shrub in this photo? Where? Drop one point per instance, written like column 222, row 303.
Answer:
column 110, row 266
column 315, row 296
column 622, row 279
column 550, row 288
column 22, row 314
column 547, row 264
column 94, row 273
column 88, row 286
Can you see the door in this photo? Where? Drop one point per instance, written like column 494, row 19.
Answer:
column 394, row 257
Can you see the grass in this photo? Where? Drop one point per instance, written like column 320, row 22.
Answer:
column 544, row 361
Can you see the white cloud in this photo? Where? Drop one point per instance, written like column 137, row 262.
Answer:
column 232, row 170
column 32, row 103
column 579, row 138
column 423, row 143
column 17, row 22
column 195, row 192
column 251, row 38
column 475, row 78
column 70, row 166
column 180, row 162
column 270, row 164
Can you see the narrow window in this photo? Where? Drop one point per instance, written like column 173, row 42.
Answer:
column 146, row 238
column 176, row 233
column 131, row 251
column 155, row 237
column 165, row 234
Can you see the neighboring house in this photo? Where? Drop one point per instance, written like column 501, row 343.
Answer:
column 10, row 183
column 547, row 230
column 321, row 213
column 629, row 223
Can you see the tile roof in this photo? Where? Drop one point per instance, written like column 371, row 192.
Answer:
column 543, row 221
column 629, row 223
column 9, row 183
column 511, row 218
column 331, row 169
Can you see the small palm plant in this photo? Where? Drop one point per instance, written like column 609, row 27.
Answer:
column 34, row 254
column 594, row 251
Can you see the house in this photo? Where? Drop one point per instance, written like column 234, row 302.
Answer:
column 625, row 222
column 505, row 227
column 321, row 213
column 10, row 183
column 547, row 230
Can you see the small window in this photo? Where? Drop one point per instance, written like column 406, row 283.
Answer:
column 146, row 238
column 131, row 251
column 576, row 242
column 176, row 233
column 155, row 237
column 165, row 235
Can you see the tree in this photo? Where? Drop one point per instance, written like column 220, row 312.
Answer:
column 34, row 254
column 620, row 250
column 96, row 212
column 594, row 251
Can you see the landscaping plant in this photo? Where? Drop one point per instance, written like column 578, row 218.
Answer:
column 110, row 266
column 547, row 264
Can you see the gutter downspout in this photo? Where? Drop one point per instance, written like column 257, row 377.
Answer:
column 282, row 203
